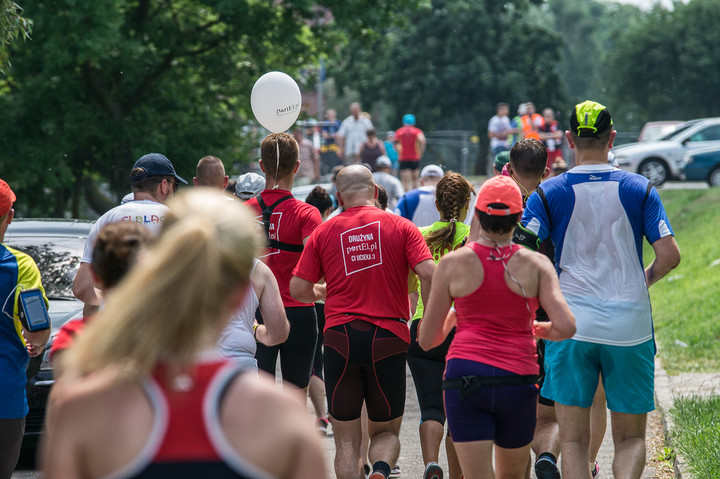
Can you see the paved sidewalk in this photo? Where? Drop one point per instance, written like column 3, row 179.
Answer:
column 666, row 388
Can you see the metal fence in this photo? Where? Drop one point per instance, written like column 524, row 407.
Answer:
column 455, row 150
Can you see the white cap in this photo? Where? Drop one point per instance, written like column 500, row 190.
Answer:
column 249, row 185
column 383, row 160
column 431, row 170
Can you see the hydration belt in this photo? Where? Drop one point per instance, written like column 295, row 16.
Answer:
column 267, row 212
column 469, row 385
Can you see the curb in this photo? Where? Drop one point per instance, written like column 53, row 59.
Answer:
column 664, row 401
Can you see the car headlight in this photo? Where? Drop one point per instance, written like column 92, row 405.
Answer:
column 45, row 364
column 622, row 160
column 686, row 160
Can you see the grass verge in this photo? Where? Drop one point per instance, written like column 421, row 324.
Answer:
column 686, row 303
column 696, row 434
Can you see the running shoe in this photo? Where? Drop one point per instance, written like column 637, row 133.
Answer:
column 433, row 471
column 322, row 425
column 395, row 471
column 545, row 468
column 595, row 471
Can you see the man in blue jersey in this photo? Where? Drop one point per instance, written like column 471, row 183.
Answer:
column 18, row 272
column 597, row 217
column 418, row 205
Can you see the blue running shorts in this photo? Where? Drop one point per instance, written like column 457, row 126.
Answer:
column 628, row 374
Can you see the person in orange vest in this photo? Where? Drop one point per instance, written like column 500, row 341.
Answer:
column 531, row 122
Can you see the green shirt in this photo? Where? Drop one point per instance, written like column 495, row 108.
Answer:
column 461, row 233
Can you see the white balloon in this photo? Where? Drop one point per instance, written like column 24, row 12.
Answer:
column 276, row 101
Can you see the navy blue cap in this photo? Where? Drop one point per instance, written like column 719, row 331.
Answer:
column 155, row 164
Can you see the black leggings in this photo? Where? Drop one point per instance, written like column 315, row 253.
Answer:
column 11, row 435
column 297, row 352
column 427, row 368
column 364, row 362
column 317, row 367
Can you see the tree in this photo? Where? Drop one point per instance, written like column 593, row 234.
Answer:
column 12, row 26
column 665, row 67
column 454, row 60
column 104, row 82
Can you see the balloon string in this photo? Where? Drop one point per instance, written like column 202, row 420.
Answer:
column 277, row 164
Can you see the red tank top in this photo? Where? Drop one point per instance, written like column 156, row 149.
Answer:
column 187, row 439
column 494, row 325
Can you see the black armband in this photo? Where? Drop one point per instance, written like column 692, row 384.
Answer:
column 525, row 237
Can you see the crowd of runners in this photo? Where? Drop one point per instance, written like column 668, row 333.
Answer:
column 521, row 309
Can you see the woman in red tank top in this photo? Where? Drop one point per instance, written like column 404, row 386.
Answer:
column 489, row 388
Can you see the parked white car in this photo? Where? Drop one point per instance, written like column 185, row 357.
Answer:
column 659, row 160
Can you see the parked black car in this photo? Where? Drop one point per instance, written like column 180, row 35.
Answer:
column 56, row 246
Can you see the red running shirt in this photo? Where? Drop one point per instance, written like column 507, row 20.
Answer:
column 291, row 221
column 65, row 337
column 494, row 325
column 365, row 255
column 407, row 136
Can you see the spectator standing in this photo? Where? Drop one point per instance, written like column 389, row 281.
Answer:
column 372, row 149
column 516, row 124
column 418, row 205
column 364, row 254
column 597, row 217
column 392, row 185
column 309, row 170
column 499, row 129
column 329, row 146
column 551, row 136
column 210, row 172
column 531, row 122
column 18, row 272
column 411, row 143
column 153, row 181
column 390, row 150
column 352, row 134
column 288, row 225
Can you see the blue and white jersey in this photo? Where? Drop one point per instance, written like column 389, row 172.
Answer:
column 418, row 206
column 597, row 216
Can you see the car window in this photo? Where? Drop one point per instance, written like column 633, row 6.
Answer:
column 711, row 133
column 675, row 134
column 58, row 259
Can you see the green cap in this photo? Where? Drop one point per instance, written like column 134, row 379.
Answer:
column 590, row 119
column 501, row 159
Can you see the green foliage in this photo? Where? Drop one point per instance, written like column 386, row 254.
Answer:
column 453, row 60
column 104, row 82
column 685, row 303
column 12, row 26
column 696, row 433
column 666, row 66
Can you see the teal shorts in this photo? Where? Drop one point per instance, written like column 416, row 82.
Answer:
column 572, row 369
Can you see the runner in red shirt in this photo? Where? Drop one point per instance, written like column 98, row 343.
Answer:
column 410, row 142
column 365, row 255
column 288, row 226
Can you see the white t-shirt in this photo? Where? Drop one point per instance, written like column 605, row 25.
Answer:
column 499, row 125
column 392, row 186
column 355, row 133
column 146, row 212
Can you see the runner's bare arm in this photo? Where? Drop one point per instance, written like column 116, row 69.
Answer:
column 303, row 290
column 667, row 258
column 562, row 322
column 430, row 329
column 84, row 288
column 276, row 327
column 425, row 271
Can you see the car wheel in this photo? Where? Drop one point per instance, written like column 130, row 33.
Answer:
column 714, row 177
column 655, row 170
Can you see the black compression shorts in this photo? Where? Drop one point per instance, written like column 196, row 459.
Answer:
column 409, row 165
column 427, row 368
column 364, row 362
column 317, row 368
column 297, row 352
